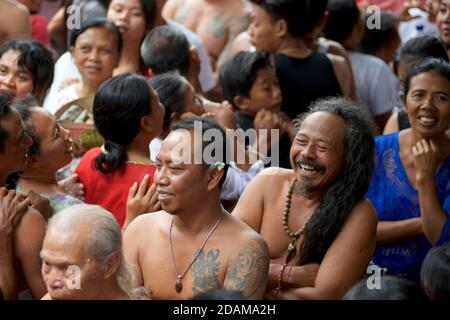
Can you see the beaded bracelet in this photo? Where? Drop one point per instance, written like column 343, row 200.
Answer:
column 280, row 279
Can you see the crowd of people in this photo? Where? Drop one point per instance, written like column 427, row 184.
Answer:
column 239, row 149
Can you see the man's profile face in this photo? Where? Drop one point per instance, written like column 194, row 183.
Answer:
column 317, row 153
column 67, row 269
column 13, row 157
column 179, row 181
column 262, row 30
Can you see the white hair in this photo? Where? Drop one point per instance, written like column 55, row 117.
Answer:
column 103, row 240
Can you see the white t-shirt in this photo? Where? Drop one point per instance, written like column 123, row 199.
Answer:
column 408, row 29
column 373, row 81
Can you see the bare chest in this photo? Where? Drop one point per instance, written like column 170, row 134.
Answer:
column 189, row 275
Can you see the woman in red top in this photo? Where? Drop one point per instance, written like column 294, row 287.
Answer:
column 128, row 114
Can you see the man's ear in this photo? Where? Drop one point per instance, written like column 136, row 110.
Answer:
column 281, row 28
column 214, row 177
column 112, row 265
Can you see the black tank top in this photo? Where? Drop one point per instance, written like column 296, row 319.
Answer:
column 304, row 80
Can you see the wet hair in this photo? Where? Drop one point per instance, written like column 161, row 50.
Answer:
column 435, row 272
column 171, row 88
column 206, row 125
column 219, row 294
column 97, row 23
column 119, row 105
column 148, row 7
column 349, row 187
column 34, row 58
column 296, row 13
column 375, row 39
column 5, row 109
column 419, row 48
column 436, row 66
column 343, row 15
column 166, row 49
column 103, row 239
column 391, row 288
column 24, row 105
column 238, row 74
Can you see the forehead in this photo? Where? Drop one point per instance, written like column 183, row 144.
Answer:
column 134, row 4
column 62, row 247
column 260, row 13
column 42, row 119
column 10, row 57
column 265, row 73
column 429, row 81
column 323, row 126
column 97, row 35
column 178, row 147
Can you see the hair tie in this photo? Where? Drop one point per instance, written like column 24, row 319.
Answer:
column 103, row 150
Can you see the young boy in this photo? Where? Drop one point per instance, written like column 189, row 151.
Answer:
column 249, row 83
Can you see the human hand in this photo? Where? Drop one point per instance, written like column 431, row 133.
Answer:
column 426, row 158
column 39, row 203
column 404, row 15
column 72, row 186
column 13, row 206
column 142, row 198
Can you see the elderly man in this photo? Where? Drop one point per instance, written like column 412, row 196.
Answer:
column 194, row 245
column 82, row 256
column 320, row 230
column 29, row 232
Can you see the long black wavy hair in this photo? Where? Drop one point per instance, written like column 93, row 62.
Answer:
column 349, row 187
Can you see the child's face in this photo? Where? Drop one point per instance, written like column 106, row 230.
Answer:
column 264, row 94
column 443, row 21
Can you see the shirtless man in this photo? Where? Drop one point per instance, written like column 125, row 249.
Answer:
column 14, row 20
column 217, row 22
column 319, row 229
column 29, row 233
column 194, row 245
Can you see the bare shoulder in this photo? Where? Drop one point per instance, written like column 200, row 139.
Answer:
column 248, row 266
column 147, row 221
column 273, row 175
column 363, row 214
column 32, row 219
column 14, row 8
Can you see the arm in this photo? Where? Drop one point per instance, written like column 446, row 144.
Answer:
column 12, row 208
column 389, row 232
column 131, row 251
column 28, row 243
column 342, row 70
column 346, row 259
column 426, row 158
column 247, row 271
column 170, row 9
column 391, row 124
column 250, row 207
column 293, row 276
